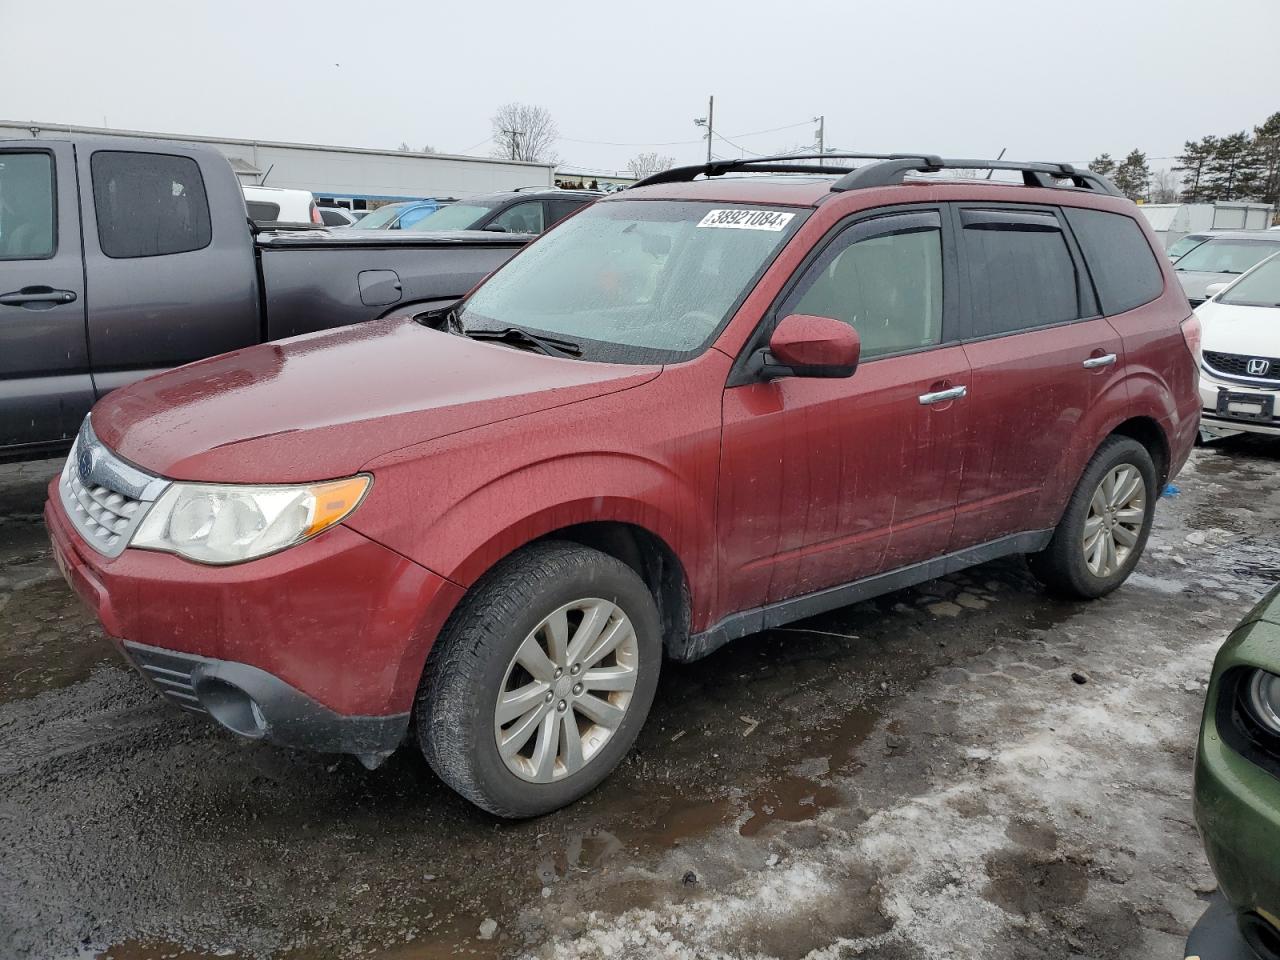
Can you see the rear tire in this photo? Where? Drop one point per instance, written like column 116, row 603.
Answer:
column 518, row 709
column 1106, row 524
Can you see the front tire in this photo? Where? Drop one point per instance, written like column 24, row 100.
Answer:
column 541, row 680
column 1106, row 524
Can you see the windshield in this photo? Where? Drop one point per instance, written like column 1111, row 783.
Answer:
column 1186, row 245
column 1261, row 288
column 379, row 219
column 1226, row 256
column 635, row 281
column 456, row 216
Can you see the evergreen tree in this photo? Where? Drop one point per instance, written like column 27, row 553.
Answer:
column 1193, row 164
column 1266, row 149
column 1133, row 176
column 1104, row 165
column 1232, row 170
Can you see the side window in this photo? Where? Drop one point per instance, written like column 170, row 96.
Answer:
column 883, row 278
column 26, row 206
column 149, row 204
column 262, row 211
column 559, row 209
column 1021, row 273
column 1119, row 258
column 522, row 218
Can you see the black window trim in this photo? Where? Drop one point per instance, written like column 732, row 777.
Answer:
column 742, row 373
column 1086, row 293
column 97, row 220
column 53, row 190
column 1158, row 257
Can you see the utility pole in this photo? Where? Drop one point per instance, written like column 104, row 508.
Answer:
column 822, row 138
column 711, row 117
column 708, row 121
column 515, row 142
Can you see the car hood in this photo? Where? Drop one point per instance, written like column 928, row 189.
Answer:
column 1250, row 331
column 1194, row 281
column 324, row 405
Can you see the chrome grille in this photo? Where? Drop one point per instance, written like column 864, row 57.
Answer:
column 1237, row 365
column 171, row 674
column 105, row 498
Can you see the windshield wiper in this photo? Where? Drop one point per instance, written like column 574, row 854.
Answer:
column 519, row 336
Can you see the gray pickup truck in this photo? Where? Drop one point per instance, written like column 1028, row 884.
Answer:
column 121, row 257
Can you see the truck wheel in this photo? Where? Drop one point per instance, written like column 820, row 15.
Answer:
column 1106, row 524
column 541, row 680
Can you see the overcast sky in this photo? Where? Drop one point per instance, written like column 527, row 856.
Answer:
column 1049, row 81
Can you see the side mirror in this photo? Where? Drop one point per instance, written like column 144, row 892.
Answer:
column 1213, row 289
column 496, row 228
column 806, row 346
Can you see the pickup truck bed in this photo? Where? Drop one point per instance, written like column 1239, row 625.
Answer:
column 120, row 258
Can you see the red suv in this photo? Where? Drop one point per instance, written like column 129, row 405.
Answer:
column 695, row 410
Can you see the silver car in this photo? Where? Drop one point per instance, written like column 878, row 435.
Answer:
column 1222, row 258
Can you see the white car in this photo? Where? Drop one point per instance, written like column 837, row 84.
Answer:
column 1240, row 353
column 269, row 205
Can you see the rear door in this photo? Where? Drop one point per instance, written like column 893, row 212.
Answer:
column 827, row 481
column 1041, row 356
column 45, row 388
column 169, row 259
column 557, row 210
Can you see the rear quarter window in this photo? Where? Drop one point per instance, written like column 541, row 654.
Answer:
column 149, row 204
column 262, row 211
column 1124, row 268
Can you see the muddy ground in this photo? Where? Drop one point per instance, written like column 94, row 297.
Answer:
column 918, row 776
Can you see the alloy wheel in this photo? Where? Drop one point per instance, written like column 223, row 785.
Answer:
column 1114, row 523
column 566, row 690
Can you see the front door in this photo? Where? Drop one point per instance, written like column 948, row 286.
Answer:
column 45, row 386
column 827, row 481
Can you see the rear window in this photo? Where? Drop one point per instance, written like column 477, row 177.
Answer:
column 1124, row 269
column 261, row 211
column 1021, row 273
column 1223, row 255
column 149, row 204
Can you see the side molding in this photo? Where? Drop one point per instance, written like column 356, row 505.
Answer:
column 737, row 625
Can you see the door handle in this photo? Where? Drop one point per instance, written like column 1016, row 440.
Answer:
column 1104, row 361
column 20, row 298
column 940, row 396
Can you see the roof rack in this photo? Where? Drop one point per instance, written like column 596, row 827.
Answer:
column 891, row 169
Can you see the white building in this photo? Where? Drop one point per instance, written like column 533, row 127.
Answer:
column 354, row 174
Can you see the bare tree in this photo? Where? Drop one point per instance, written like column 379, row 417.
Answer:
column 524, row 132
column 646, row 164
column 426, row 148
column 1165, row 186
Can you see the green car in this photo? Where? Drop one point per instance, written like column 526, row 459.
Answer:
column 1237, row 792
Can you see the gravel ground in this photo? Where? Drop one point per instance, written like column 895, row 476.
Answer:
column 917, row 776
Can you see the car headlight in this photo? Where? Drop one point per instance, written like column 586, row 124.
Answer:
column 231, row 523
column 1262, row 694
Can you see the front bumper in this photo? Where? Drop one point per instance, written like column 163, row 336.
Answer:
column 319, row 646
column 1213, row 422
column 1217, row 936
column 1237, row 786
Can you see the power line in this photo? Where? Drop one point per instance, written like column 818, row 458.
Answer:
column 676, row 143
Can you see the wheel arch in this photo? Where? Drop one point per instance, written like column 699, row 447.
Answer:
column 1148, row 432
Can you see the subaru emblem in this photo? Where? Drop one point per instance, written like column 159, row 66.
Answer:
column 1258, row 367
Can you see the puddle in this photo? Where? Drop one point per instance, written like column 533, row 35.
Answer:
column 47, row 640
column 155, row 950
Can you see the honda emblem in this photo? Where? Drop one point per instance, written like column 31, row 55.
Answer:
column 1258, row 367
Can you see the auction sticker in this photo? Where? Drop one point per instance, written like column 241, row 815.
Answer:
column 772, row 220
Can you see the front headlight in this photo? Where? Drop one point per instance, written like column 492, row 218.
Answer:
column 1262, row 693
column 231, row 523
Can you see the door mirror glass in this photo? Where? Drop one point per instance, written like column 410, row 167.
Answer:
column 808, row 346
column 1213, row 289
